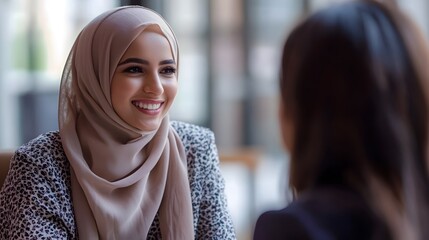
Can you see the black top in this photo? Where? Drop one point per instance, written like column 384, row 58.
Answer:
column 323, row 214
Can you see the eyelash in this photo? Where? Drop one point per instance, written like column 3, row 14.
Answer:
column 133, row 69
column 136, row 69
column 168, row 70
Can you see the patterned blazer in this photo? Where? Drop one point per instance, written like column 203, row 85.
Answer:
column 35, row 201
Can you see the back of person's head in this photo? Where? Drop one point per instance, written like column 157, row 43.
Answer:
column 354, row 104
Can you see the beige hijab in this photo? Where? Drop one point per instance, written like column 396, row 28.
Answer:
column 101, row 147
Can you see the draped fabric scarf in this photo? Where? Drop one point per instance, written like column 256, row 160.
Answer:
column 109, row 204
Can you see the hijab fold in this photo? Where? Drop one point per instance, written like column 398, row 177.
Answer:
column 121, row 177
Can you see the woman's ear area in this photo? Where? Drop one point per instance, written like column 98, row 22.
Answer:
column 286, row 126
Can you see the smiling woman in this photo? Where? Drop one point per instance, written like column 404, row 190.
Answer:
column 118, row 168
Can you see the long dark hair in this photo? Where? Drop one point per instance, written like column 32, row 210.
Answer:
column 351, row 88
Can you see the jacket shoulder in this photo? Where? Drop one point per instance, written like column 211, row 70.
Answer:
column 192, row 134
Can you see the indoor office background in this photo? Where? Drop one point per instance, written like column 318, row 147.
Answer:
column 230, row 52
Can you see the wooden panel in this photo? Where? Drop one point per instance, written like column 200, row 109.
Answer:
column 5, row 157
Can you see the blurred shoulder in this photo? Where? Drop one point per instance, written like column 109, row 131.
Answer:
column 324, row 213
column 279, row 224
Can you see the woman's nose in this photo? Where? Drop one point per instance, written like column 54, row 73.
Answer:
column 153, row 84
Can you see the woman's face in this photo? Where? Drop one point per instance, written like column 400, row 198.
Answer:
column 145, row 82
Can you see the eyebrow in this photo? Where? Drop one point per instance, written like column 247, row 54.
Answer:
column 143, row 61
column 168, row 61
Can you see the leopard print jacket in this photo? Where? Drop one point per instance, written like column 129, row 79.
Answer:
column 35, row 200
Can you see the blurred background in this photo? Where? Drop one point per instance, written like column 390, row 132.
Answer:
column 230, row 54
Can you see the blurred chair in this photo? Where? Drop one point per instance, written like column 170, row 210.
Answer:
column 5, row 156
column 249, row 158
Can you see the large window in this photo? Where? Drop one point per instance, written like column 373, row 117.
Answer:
column 36, row 36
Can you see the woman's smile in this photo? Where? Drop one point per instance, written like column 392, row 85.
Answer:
column 148, row 106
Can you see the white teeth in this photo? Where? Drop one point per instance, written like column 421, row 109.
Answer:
column 147, row 106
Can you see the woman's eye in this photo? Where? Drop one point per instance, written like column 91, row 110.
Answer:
column 134, row 70
column 168, row 70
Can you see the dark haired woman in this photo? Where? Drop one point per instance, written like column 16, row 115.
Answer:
column 354, row 117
